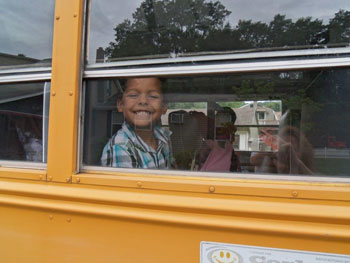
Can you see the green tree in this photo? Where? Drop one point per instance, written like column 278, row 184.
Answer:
column 175, row 27
column 163, row 27
column 278, row 31
column 232, row 104
column 339, row 27
column 274, row 105
column 252, row 35
column 187, row 105
column 306, row 31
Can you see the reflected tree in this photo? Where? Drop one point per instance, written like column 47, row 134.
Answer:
column 251, row 35
column 163, row 27
column 174, row 27
column 339, row 27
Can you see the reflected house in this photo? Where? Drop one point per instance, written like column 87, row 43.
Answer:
column 8, row 59
column 165, row 117
column 253, row 123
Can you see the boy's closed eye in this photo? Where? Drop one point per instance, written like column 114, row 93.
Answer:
column 154, row 96
column 132, row 95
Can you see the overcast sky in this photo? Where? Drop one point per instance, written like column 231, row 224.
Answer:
column 26, row 27
column 29, row 30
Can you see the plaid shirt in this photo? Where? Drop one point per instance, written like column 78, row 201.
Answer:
column 127, row 150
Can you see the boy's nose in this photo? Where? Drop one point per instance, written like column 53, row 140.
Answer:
column 143, row 99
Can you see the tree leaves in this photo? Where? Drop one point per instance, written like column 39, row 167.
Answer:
column 178, row 27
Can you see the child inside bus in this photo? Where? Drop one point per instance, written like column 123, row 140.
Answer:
column 141, row 142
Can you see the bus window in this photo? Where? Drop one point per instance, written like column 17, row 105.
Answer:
column 279, row 122
column 239, row 88
column 26, row 33
column 170, row 31
column 24, row 121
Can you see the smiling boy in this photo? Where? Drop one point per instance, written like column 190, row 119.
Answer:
column 140, row 143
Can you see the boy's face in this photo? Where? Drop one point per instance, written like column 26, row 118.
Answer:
column 142, row 102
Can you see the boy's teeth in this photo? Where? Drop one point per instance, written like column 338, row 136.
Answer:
column 142, row 113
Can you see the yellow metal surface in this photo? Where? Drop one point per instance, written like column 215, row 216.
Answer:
column 66, row 75
column 28, row 174
column 287, row 189
column 74, row 223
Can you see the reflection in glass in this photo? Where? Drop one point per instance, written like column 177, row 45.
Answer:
column 24, row 121
column 26, row 29
column 167, row 29
column 278, row 122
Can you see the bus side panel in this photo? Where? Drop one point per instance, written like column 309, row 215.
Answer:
column 46, row 229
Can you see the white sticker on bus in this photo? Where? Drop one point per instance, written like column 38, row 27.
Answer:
column 211, row 252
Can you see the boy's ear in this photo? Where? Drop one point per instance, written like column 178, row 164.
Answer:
column 120, row 105
column 164, row 108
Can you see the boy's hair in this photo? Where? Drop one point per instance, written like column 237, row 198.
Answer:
column 122, row 85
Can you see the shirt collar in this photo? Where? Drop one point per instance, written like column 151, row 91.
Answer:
column 160, row 134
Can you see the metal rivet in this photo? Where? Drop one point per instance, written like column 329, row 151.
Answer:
column 294, row 193
column 139, row 184
column 78, row 180
column 57, row 18
column 71, row 93
column 69, row 219
column 211, row 189
column 53, row 93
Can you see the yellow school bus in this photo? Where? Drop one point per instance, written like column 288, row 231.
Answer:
column 258, row 102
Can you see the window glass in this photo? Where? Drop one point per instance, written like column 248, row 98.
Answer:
column 147, row 29
column 26, row 29
column 287, row 122
column 24, row 121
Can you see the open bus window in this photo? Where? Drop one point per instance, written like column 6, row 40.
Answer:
column 24, row 112
column 294, row 123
